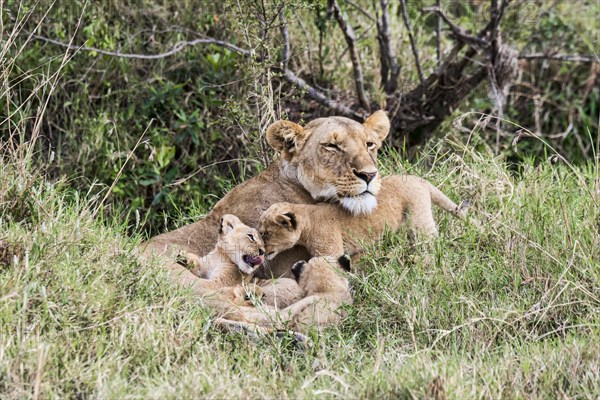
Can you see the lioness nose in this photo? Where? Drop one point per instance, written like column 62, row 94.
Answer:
column 365, row 176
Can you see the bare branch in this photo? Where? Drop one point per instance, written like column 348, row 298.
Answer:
column 389, row 64
column 560, row 57
column 313, row 93
column 176, row 49
column 413, row 45
column 460, row 33
column 285, row 54
column 361, row 10
column 354, row 56
column 438, row 34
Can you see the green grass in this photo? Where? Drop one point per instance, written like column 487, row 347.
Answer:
column 504, row 305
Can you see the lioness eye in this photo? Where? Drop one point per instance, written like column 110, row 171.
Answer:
column 251, row 237
column 332, row 146
column 370, row 145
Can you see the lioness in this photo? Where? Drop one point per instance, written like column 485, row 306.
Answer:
column 327, row 230
column 328, row 159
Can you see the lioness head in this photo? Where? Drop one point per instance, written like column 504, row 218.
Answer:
column 278, row 228
column 321, row 275
column 334, row 158
column 242, row 244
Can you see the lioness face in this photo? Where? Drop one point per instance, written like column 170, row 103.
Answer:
column 242, row 244
column 322, row 275
column 278, row 228
column 335, row 158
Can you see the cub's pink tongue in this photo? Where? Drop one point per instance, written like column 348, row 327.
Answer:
column 253, row 260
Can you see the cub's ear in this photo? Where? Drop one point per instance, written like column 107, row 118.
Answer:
column 287, row 220
column 344, row 262
column 228, row 222
column 286, row 138
column 378, row 123
column 297, row 269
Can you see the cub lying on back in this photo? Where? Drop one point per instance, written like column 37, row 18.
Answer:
column 324, row 289
column 328, row 230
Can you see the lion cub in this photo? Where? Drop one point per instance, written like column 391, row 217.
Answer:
column 238, row 253
column 325, row 290
column 328, row 230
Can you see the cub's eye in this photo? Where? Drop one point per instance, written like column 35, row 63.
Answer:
column 370, row 145
column 247, row 297
column 251, row 237
column 332, row 147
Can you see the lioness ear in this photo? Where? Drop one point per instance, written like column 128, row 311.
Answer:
column 287, row 220
column 379, row 123
column 228, row 222
column 285, row 137
column 344, row 262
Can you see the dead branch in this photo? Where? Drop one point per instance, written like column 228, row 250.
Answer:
column 438, row 34
column 176, row 49
column 460, row 33
column 350, row 38
column 361, row 10
column 311, row 92
column 286, row 40
column 390, row 70
column 413, row 45
column 560, row 57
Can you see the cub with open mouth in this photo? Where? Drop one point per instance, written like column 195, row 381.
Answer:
column 238, row 253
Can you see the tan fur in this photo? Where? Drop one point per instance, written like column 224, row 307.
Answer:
column 280, row 293
column 325, row 290
column 327, row 230
column 241, row 295
column 225, row 265
column 307, row 171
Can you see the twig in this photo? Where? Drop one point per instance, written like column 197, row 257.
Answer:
column 354, row 56
column 438, row 34
column 313, row 93
column 176, row 49
column 458, row 32
column 285, row 54
column 560, row 57
column 361, row 10
column 294, row 79
column 413, row 46
column 389, row 65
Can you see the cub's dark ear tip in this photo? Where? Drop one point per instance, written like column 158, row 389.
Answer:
column 344, row 262
column 297, row 268
column 298, row 265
